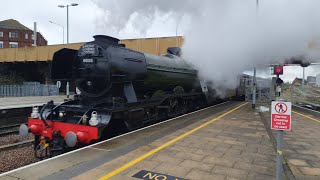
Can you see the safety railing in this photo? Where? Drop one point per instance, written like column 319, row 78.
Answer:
column 28, row 89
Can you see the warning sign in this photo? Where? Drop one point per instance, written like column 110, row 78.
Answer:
column 281, row 115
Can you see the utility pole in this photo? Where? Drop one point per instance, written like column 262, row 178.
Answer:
column 67, row 24
column 254, row 83
column 35, row 34
column 279, row 169
column 254, row 88
column 303, row 75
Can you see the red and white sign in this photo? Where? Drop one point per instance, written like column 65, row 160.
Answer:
column 281, row 115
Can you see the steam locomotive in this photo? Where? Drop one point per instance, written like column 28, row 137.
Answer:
column 120, row 90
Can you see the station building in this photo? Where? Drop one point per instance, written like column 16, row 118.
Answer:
column 311, row 81
column 318, row 80
column 13, row 34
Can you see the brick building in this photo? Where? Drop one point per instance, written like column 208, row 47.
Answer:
column 14, row 34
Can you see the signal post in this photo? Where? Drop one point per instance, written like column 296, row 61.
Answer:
column 280, row 119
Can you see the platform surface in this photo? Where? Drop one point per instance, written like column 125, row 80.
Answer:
column 29, row 101
column 233, row 145
column 302, row 144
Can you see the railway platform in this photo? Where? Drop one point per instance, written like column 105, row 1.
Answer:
column 229, row 141
column 29, row 101
column 301, row 144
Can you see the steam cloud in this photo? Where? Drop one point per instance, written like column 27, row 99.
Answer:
column 226, row 37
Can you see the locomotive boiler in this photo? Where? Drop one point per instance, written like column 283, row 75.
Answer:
column 120, row 90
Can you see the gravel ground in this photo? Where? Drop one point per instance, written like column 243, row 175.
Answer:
column 16, row 158
column 14, row 138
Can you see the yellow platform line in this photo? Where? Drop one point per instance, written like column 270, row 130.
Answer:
column 306, row 116
column 135, row 161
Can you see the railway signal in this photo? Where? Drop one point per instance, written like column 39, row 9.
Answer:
column 279, row 81
column 278, row 69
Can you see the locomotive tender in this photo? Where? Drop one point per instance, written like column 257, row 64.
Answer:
column 120, row 90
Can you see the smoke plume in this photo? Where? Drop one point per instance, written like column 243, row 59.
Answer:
column 226, row 37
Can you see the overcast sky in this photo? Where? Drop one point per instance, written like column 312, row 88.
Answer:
column 82, row 20
column 83, row 24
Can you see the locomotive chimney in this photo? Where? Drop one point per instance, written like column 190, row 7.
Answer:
column 106, row 39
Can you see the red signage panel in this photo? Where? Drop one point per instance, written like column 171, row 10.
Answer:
column 281, row 115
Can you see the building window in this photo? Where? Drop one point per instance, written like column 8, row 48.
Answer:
column 13, row 44
column 1, row 44
column 13, row 35
column 1, row 34
column 27, row 36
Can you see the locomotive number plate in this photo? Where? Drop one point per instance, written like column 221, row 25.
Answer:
column 88, row 60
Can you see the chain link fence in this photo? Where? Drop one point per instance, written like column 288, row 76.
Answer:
column 28, row 89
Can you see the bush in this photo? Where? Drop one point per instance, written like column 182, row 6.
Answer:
column 10, row 79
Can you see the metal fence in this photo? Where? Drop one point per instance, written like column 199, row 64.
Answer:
column 28, row 89
column 264, row 91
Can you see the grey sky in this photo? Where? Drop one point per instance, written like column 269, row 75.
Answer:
column 27, row 12
column 82, row 20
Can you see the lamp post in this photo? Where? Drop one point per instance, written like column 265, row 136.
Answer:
column 177, row 28
column 303, row 75
column 67, row 6
column 62, row 30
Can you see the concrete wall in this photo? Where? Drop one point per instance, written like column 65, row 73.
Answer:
column 155, row 46
column 39, row 53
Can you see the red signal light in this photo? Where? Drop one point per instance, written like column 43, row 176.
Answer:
column 278, row 70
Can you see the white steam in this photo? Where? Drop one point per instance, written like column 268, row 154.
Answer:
column 226, row 37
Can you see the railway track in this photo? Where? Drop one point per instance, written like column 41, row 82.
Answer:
column 309, row 105
column 9, row 129
column 12, row 143
column 312, row 107
column 16, row 145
